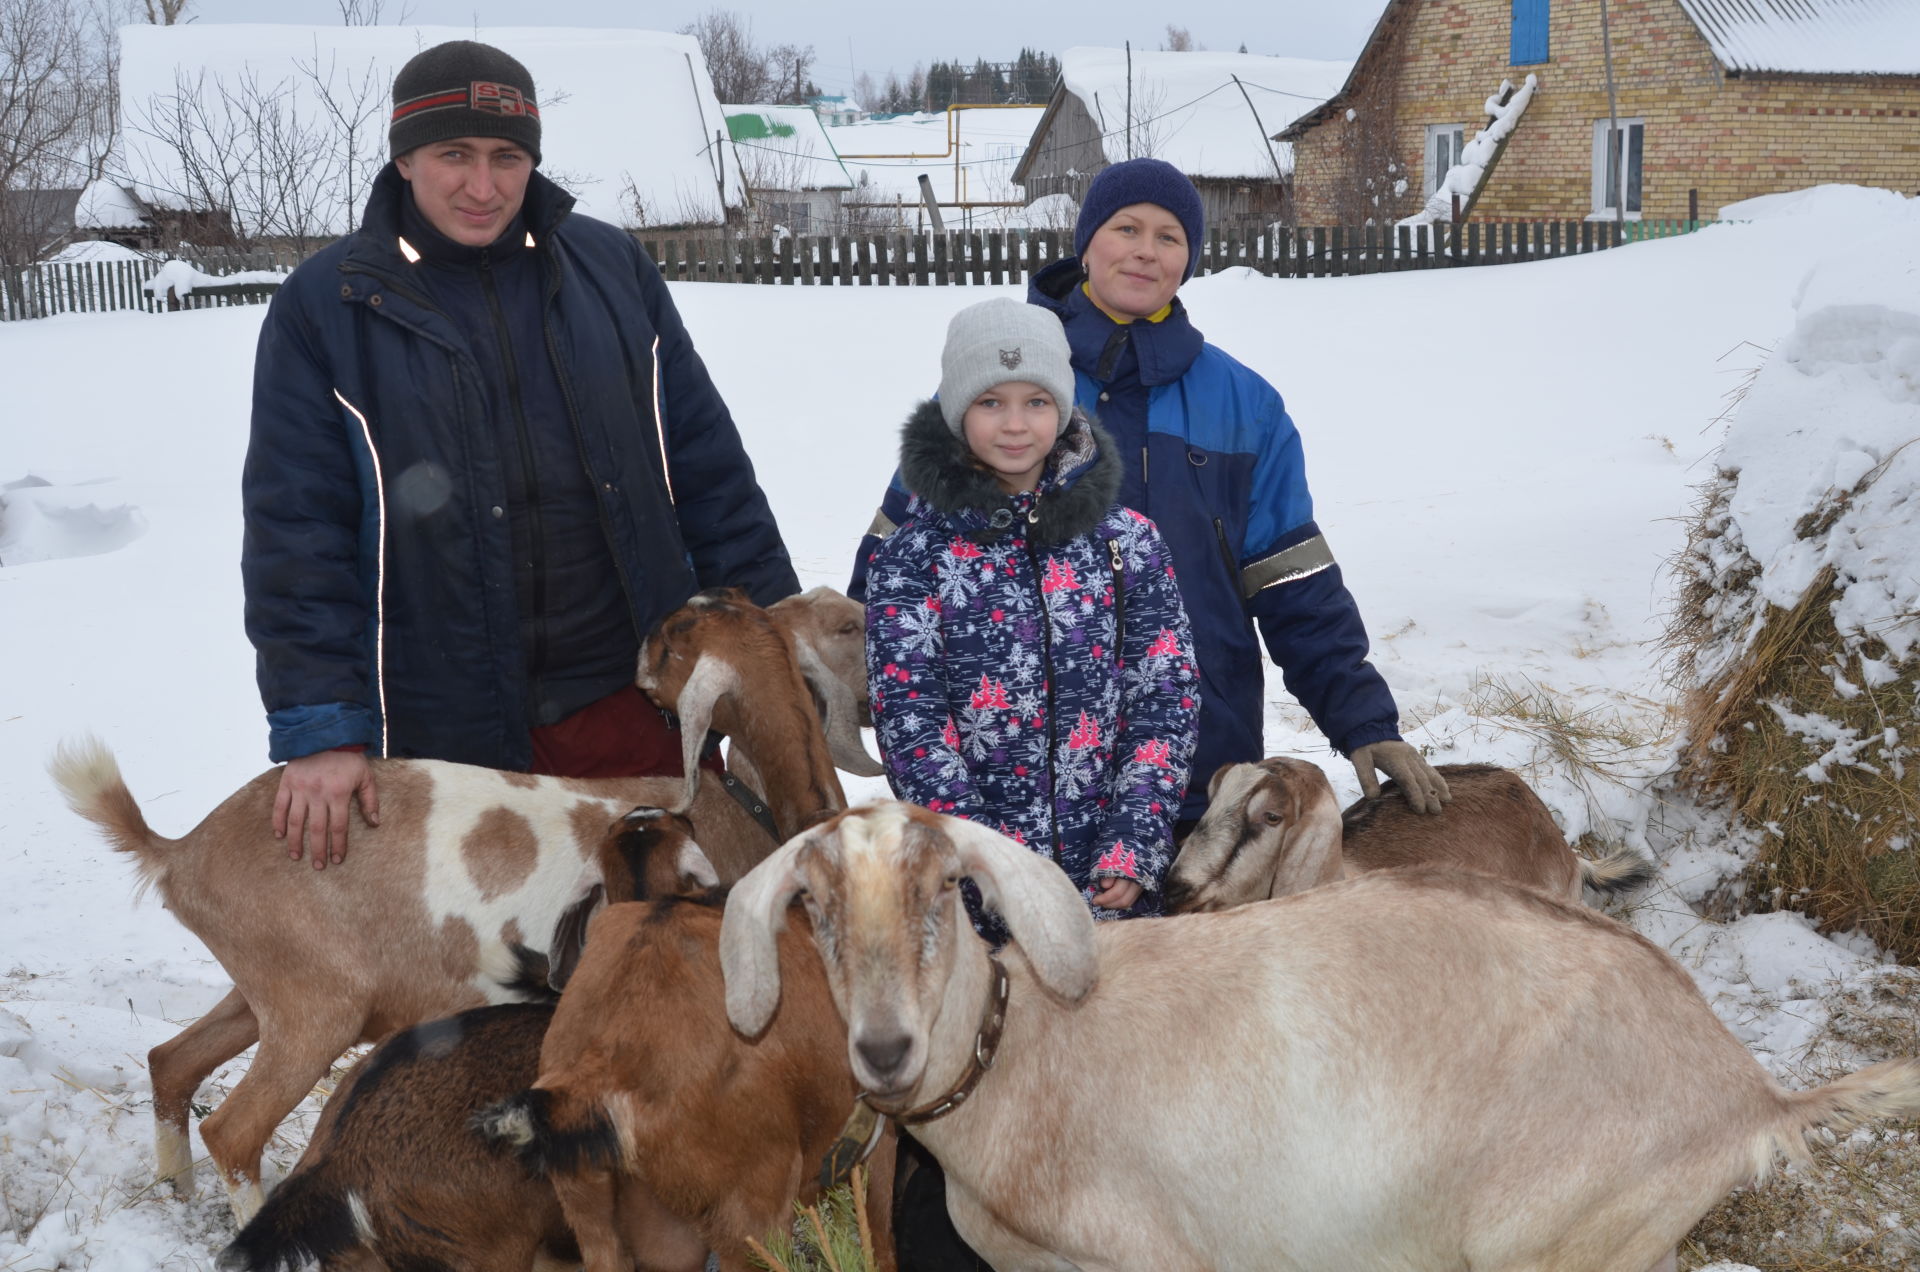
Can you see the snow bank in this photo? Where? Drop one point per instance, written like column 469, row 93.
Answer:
column 1828, row 201
column 50, row 517
column 1825, row 435
column 183, row 278
column 94, row 251
column 1186, row 109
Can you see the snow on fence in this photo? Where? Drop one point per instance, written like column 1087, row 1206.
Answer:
column 1002, row 256
column 91, row 287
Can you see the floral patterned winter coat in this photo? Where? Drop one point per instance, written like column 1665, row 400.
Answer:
column 1000, row 692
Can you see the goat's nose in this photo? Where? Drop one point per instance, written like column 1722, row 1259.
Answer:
column 885, row 1054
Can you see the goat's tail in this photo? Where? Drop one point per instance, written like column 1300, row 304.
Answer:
column 89, row 777
column 308, row 1219
column 1619, row 872
column 549, row 1141
column 1890, row 1089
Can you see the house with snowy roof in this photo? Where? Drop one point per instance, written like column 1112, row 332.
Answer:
column 1208, row 114
column 1729, row 98
column 629, row 120
column 793, row 175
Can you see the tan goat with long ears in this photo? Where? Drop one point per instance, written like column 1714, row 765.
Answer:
column 1412, row 1069
column 434, row 910
column 1272, row 829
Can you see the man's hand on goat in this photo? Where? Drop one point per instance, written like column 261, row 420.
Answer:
column 1116, row 893
column 313, row 803
column 1424, row 788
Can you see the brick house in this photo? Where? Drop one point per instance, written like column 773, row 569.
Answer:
column 1734, row 98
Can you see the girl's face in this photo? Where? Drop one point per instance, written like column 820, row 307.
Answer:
column 1011, row 428
column 1136, row 261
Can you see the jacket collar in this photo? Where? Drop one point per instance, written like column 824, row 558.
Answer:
column 1081, row 480
column 1107, row 350
column 385, row 221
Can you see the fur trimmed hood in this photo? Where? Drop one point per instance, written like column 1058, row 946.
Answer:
column 1078, row 486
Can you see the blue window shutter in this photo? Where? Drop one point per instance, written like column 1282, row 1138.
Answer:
column 1529, row 32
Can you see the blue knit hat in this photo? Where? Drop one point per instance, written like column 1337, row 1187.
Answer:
column 1142, row 181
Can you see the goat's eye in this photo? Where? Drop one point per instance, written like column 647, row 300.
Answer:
column 1272, row 818
column 849, row 629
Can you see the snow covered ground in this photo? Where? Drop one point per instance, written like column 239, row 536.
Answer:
column 1500, row 455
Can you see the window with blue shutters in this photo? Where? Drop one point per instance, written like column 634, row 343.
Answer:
column 1529, row 32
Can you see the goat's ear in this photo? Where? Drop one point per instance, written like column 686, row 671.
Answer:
column 1042, row 908
column 1219, row 776
column 839, row 707
column 1310, row 841
column 694, row 867
column 749, row 955
column 712, row 678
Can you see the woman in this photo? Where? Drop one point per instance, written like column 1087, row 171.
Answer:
column 1210, row 455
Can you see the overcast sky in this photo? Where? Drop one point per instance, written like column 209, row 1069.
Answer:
column 868, row 35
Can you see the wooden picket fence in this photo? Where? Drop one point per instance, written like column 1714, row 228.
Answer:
column 957, row 258
column 996, row 257
column 91, row 287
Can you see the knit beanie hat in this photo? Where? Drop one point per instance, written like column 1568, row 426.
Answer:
column 998, row 341
column 463, row 89
column 1142, row 181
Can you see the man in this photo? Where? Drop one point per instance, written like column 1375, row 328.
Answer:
column 485, row 460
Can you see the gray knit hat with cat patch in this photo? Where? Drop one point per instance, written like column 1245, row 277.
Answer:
column 998, row 341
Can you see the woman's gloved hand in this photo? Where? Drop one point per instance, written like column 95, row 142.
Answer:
column 1425, row 789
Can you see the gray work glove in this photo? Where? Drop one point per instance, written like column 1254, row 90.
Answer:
column 1425, row 789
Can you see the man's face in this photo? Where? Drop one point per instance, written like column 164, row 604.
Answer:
column 468, row 188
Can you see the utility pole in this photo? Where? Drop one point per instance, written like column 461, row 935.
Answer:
column 1616, row 152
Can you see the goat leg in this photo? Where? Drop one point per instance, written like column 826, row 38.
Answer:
column 177, row 1067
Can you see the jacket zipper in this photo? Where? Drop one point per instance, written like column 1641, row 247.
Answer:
column 1226, row 555
column 580, row 443
column 1046, row 657
column 529, row 492
column 1119, row 597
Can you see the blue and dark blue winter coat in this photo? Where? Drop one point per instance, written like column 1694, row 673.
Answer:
column 1029, row 661
column 476, row 478
column 1210, row 455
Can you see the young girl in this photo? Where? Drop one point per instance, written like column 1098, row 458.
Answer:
column 1030, row 663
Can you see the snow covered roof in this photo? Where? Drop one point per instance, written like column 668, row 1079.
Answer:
column 616, row 105
column 785, row 148
column 108, row 205
column 891, row 153
column 1811, row 37
column 1187, row 109
column 94, row 251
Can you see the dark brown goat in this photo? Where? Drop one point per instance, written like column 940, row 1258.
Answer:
column 394, row 1177
column 670, row 1105
column 1272, row 829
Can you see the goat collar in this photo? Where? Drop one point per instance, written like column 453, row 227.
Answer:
column 985, row 1043
column 752, row 801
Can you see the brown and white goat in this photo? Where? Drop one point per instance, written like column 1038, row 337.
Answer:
column 394, row 1176
column 1272, row 829
column 430, row 912
column 1411, row 1069
column 664, row 1105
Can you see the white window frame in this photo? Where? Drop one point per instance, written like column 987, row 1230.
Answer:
column 1601, row 127
column 1435, row 169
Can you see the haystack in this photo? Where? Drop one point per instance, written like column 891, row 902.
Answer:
column 1797, row 631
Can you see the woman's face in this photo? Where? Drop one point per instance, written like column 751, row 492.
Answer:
column 1136, row 261
column 1011, row 428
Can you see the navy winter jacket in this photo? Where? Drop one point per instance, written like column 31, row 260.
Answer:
column 1212, row 457
column 397, row 477
column 1028, row 659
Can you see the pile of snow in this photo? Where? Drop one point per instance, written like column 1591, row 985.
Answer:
column 1830, row 425
column 182, row 278
column 623, row 112
column 108, row 205
column 968, row 153
column 1861, row 203
column 1185, row 107
column 48, row 516
column 1466, row 177
column 95, row 252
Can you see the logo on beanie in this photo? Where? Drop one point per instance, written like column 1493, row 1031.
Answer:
column 498, row 99
column 1009, row 358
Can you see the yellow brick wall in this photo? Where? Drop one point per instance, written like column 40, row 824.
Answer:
column 1731, row 137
